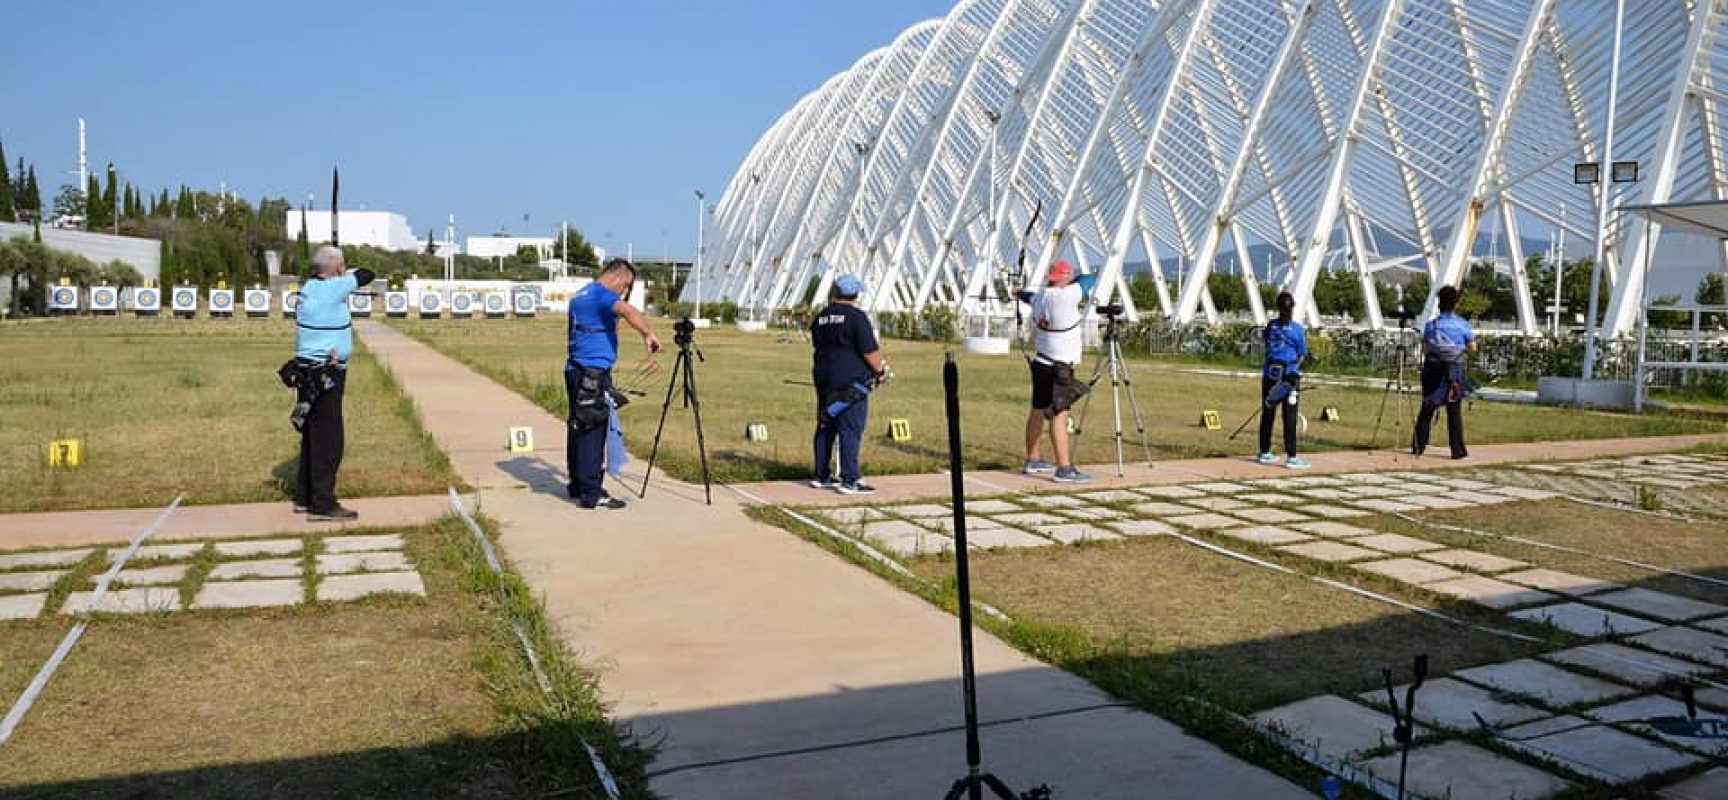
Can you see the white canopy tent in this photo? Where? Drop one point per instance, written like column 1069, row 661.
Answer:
column 1708, row 219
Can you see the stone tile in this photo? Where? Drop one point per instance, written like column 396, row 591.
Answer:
column 1472, row 560
column 1111, row 496
column 1205, row 522
column 1096, row 513
column 1004, row 537
column 1326, row 494
column 1479, row 498
column 1279, row 484
column 259, row 547
column 1368, row 492
column 1332, row 725
column 991, row 507
column 1054, row 501
column 1218, row 503
column 1489, row 592
column 1270, row 516
column 894, row 527
column 1076, row 533
column 1438, row 502
column 46, row 558
column 1544, row 682
column 1626, row 664
column 22, row 606
column 1163, row 509
column 1710, row 648
column 1660, row 605
column 1462, row 771
column 922, row 510
column 1367, row 478
column 267, row 568
column 249, row 594
column 972, row 524
column 1265, row 534
column 1470, row 485
column 1598, row 751
column 1219, row 487
column 1717, row 625
column 362, row 544
column 342, row 563
column 1587, row 620
column 1332, row 512
column 1329, row 551
column 1273, row 498
column 1141, row 527
column 1560, row 582
column 127, row 601
column 1386, row 506
column 1168, row 492
column 912, row 545
column 149, row 576
column 354, row 587
column 1031, row 518
column 1398, row 545
column 1427, row 487
column 1447, row 703
column 1521, row 493
column 1332, row 530
column 1710, row 784
column 852, row 515
column 30, row 581
column 1408, row 570
column 158, row 552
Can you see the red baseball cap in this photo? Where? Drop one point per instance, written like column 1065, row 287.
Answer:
column 1061, row 270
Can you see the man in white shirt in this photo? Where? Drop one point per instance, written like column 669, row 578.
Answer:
column 1058, row 312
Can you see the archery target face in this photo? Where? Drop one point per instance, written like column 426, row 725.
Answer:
column 462, row 304
column 63, row 297
column 396, row 302
column 524, row 303
column 221, row 300
column 290, row 302
column 104, row 298
column 147, row 300
column 185, row 299
column 495, row 304
column 360, row 303
column 430, row 303
column 257, row 300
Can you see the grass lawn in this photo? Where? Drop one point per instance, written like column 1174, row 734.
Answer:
column 166, row 406
column 392, row 697
column 743, row 381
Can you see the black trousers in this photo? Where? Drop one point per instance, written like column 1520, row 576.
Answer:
column 585, row 450
column 321, row 443
column 1266, row 414
column 1433, row 376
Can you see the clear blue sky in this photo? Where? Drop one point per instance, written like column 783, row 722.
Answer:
column 608, row 114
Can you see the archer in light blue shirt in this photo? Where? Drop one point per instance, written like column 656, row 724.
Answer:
column 323, row 327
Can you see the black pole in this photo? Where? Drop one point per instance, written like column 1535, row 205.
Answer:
column 335, row 194
column 969, row 678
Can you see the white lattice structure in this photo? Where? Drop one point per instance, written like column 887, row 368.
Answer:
column 1328, row 131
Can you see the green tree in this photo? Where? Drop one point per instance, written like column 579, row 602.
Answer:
column 1711, row 293
column 110, row 197
column 6, row 209
column 184, row 207
column 1338, row 292
column 575, row 249
column 69, row 202
column 32, row 195
column 93, row 212
column 1228, row 292
column 1144, row 290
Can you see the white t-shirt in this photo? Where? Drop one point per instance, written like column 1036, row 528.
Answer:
column 1056, row 315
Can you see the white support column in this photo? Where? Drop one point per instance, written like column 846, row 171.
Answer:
column 1487, row 169
column 1641, row 242
column 1250, row 284
column 1225, row 210
column 1310, row 261
column 1159, row 282
column 1527, row 320
column 1357, row 249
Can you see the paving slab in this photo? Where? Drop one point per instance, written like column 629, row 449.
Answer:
column 1489, row 592
column 853, row 515
column 1205, row 522
column 1269, row 516
column 22, row 606
column 1710, row 648
column 973, row 523
column 1633, row 713
column 158, row 552
column 1436, row 502
column 1052, row 500
column 891, row 528
column 250, row 594
column 1396, row 544
column 340, row 588
column 1032, row 518
column 263, row 568
column 913, row 545
column 36, row 581
column 1559, row 582
column 1219, row 503
column 142, row 600
column 1716, row 625
column 1265, row 534
column 922, row 510
column 362, row 544
column 1658, row 605
column 1608, row 755
column 1003, row 537
column 1169, row 492
column 1587, row 620
column 1092, row 512
column 46, row 558
column 1545, row 682
column 149, row 576
column 1274, row 498
column 1333, row 552
column 993, row 507
column 1326, row 494
column 1409, row 570
column 1332, row 512
column 1711, row 784
column 1447, row 703
column 1332, row 725
column 1111, row 496
column 1076, row 533
column 227, row 521
column 1331, row 530
column 1140, row 527
column 343, row 563
column 1479, row 498
column 1473, row 560
column 1627, row 664
column 259, row 547
column 1163, row 509
column 1218, row 487
column 1460, row 771
column 1522, row 493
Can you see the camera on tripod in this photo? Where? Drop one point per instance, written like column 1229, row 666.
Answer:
column 1112, row 311
column 684, row 332
column 1404, row 316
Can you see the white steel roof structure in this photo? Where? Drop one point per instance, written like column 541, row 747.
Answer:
column 1108, row 132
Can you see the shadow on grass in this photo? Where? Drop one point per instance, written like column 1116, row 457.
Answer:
column 285, row 476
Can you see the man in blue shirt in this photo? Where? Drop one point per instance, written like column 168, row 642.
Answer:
column 846, row 358
column 593, row 349
column 323, row 342
column 1281, row 378
column 1446, row 339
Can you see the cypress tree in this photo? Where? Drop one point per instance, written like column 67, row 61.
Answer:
column 6, row 209
column 109, row 196
column 185, row 208
column 93, row 204
column 32, row 193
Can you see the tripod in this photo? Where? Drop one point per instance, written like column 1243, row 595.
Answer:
column 1110, row 358
column 683, row 371
column 1395, row 382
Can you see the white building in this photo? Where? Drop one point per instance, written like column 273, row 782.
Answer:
column 385, row 229
column 502, row 246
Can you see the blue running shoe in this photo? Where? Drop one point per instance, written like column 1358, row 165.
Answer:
column 1267, row 458
column 1038, row 466
column 1295, row 463
column 1071, row 475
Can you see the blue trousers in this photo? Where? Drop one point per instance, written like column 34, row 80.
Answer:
column 585, row 450
column 848, row 430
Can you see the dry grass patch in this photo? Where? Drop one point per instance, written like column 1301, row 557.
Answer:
column 166, row 406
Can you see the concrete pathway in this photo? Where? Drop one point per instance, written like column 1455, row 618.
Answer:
column 78, row 528
column 764, row 665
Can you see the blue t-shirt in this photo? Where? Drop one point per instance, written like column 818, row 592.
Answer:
column 1286, row 344
column 841, row 335
column 322, row 323
column 1447, row 337
column 593, row 328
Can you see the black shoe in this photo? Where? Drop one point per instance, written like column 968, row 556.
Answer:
column 1460, row 456
column 334, row 514
column 609, row 503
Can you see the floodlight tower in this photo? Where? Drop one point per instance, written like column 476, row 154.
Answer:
column 699, row 231
column 449, row 253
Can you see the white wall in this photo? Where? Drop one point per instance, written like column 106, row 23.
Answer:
column 145, row 255
column 385, row 229
column 506, row 246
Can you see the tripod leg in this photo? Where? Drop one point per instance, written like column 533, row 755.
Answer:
column 1139, row 419
column 1116, row 403
column 997, row 787
column 671, row 386
column 695, row 404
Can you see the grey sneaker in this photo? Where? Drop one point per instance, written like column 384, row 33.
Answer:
column 1071, row 475
column 822, row 483
column 1038, row 466
column 855, row 487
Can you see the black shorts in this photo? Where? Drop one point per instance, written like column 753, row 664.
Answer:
column 1043, row 384
column 1054, row 389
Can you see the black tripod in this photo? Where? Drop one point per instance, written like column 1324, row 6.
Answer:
column 1110, row 358
column 1395, row 382
column 683, row 370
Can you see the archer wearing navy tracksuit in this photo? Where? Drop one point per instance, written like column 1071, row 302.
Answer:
column 1446, row 339
column 845, row 361
column 1286, row 346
